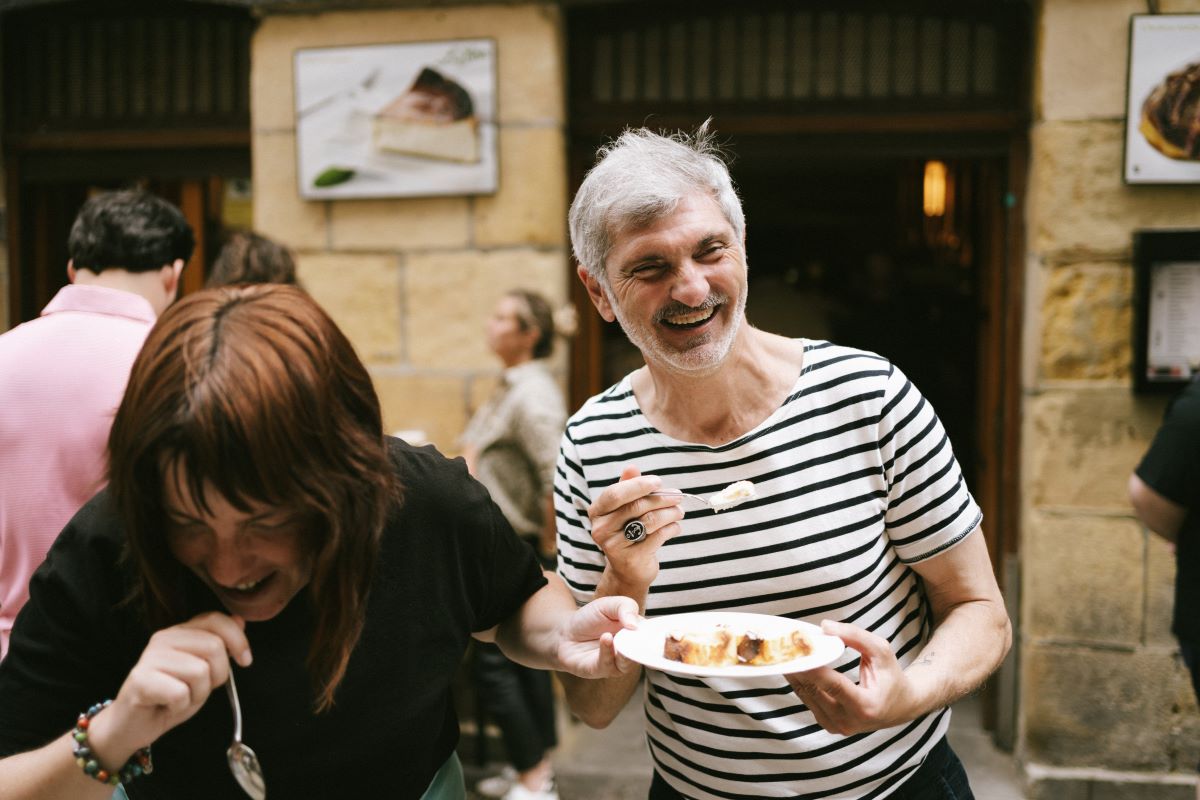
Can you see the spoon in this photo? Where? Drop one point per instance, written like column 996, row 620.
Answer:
column 242, row 761
column 364, row 85
column 732, row 495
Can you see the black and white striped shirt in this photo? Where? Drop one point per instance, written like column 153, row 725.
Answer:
column 856, row 480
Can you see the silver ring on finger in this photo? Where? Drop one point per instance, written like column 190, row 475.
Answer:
column 635, row 530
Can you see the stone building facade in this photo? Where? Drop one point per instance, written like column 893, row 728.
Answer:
column 1102, row 704
column 1105, row 709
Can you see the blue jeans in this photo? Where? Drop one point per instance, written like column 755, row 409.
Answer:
column 940, row 777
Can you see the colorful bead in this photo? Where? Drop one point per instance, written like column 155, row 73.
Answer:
column 138, row 764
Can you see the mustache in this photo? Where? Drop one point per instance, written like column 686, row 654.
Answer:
column 674, row 309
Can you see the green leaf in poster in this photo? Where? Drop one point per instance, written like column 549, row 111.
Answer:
column 333, row 176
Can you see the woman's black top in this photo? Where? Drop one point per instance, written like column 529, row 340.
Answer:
column 449, row 565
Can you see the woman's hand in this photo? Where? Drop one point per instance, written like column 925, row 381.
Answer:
column 177, row 671
column 634, row 564
column 585, row 644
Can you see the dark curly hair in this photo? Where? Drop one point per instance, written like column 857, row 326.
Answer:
column 131, row 230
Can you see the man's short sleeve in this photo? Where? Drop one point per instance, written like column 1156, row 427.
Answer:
column 929, row 508
column 580, row 561
column 1171, row 466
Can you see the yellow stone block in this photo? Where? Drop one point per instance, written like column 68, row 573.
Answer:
column 1081, row 444
column 530, row 207
column 1085, row 706
column 1086, row 319
column 528, row 46
column 1062, row 556
column 1078, row 204
column 532, row 67
column 278, row 210
column 1082, row 56
column 400, row 224
column 1160, row 589
column 449, row 296
column 432, row 404
column 362, row 295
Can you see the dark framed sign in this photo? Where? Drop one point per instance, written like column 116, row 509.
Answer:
column 1166, row 309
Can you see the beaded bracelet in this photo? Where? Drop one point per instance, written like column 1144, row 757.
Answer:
column 138, row 764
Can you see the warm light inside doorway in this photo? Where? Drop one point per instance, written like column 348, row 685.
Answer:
column 934, row 197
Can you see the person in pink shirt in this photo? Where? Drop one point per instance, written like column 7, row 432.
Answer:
column 62, row 375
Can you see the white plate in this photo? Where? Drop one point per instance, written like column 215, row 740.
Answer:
column 645, row 643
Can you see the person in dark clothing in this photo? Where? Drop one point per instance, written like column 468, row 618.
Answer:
column 257, row 520
column 1165, row 492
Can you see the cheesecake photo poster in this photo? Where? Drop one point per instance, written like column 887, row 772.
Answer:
column 397, row 120
column 1162, row 138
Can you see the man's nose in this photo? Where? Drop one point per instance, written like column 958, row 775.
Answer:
column 691, row 284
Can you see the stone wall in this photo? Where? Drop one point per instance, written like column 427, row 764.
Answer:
column 411, row 281
column 1106, row 708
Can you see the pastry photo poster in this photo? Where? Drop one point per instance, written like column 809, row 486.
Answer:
column 396, row 120
column 1162, row 134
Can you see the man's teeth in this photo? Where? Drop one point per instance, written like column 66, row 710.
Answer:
column 695, row 316
column 245, row 587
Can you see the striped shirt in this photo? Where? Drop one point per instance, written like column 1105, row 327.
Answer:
column 856, row 481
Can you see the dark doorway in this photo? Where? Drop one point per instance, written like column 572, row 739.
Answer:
column 148, row 93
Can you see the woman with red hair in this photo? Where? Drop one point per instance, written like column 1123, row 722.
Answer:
column 259, row 523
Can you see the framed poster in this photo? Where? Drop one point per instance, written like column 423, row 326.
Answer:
column 396, row 120
column 1162, row 104
column 1166, row 309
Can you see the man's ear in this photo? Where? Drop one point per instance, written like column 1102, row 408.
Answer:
column 596, row 293
column 70, row 270
column 170, row 276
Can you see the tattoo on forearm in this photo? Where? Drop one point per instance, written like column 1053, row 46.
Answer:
column 927, row 657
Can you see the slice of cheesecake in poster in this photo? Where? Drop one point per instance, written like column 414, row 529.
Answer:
column 435, row 118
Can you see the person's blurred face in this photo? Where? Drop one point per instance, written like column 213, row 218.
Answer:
column 255, row 562
column 678, row 287
column 504, row 335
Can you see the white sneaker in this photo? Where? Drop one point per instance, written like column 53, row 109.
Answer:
column 497, row 786
column 519, row 792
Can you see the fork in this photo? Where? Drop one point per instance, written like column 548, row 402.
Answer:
column 677, row 493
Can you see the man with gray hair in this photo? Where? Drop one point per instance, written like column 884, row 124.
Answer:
column 860, row 521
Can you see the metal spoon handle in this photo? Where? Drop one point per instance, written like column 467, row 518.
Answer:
column 673, row 493
column 231, row 689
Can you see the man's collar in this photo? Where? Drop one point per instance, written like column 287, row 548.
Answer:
column 101, row 300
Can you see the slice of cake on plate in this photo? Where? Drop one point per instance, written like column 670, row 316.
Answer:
column 721, row 646
column 434, row 119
